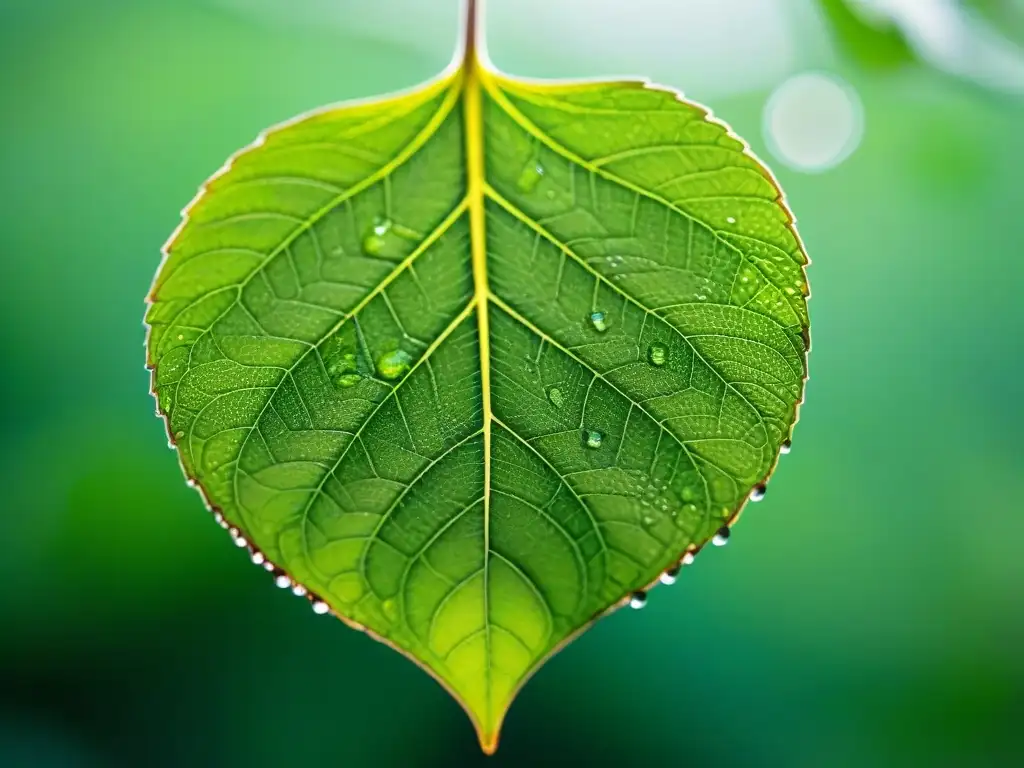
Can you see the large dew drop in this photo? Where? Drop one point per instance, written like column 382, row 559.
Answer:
column 530, row 177
column 758, row 492
column 638, row 600
column 657, row 354
column 722, row 537
column 599, row 321
column 593, row 439
column 786, row 447
column 393, row 364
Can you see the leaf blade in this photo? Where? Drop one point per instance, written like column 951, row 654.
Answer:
column 438, row 404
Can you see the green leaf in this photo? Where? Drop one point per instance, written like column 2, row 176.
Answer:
column 471, row 366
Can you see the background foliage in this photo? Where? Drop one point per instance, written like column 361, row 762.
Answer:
column 869, row 612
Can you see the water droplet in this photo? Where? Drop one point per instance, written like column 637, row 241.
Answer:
column 268, row 566
column 181, row 337
column 790, row 291
column 393, row 364
column 648, row 520
column 657, row 354
column 638, row 600
column 555, row 396
column 722, row 537
column 592, row 438
column 786, row 447
column 282, row 581
column 530, row 177
column 670, row 576
column 758, row 492
column 219, row 519
column 701, row 297
column 688, row 510
column 731, row 219
column 599, row 321
column 376, row 239
column 178, row 435
column 320, row 607
column 688, row 558
column 688, row 494
column 298, row 590
column 258, row 558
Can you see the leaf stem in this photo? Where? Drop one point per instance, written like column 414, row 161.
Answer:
column 471, row 32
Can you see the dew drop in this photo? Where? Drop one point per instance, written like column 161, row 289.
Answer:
column 722, row 537
column 669, row 577
column 191, row 483
column 376, row 239
column 599, row 321
column 258, row 558
column 347, row 380
column 219, row 519
column 299, row 591
column 758, row 492
column 790, row 290
column 282, row 581
column 688, row 558
column 731, row 219
column 786, row 447
column 592, row 438
column 555, row 396
column 181, row 337
column 393, row 364
column 702, row 297
column 688, row 510
column 657, row 354
column 178, row 435
column 268, row 566
column 320, row 607
column 638, row 600
column 530, row 177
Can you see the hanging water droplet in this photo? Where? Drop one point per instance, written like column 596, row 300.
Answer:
column 599, row 321
column 191, row 483
column 592, row 438
column 555, row 396
column 657, row 354
column 786, row 447
column 282, row 582
column 530, row 177
column 669, row 577
column 638, row 600
column 722, row 537
column 269, row 566
column 688, row 558
column 393, row 364
column 758, row 492
column 320, row 607
column 257, row 557
column 298, row 590
column 218, row 518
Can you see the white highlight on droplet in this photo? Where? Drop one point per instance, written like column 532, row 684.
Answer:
column 298, row 590
column 813, row 122
column 320, row 607
column 258, row 558
column 282, row 581
column 688, row 558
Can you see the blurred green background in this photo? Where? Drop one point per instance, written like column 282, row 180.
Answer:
column 869, row 613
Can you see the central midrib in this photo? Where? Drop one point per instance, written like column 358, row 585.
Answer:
column 474, row 148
